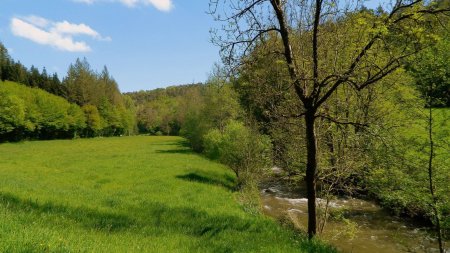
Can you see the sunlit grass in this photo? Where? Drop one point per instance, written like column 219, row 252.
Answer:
column 129, row 194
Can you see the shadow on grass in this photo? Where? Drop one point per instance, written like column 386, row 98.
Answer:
column 159, row 219
column 225, row 180
column 182, row 147
column 89, row 218
column 175, row 151
column 183, row 143
column 156, row 215
column 246, row 234
column 193, row 222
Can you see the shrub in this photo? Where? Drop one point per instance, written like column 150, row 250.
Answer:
column 245, row 151
column 12, row 112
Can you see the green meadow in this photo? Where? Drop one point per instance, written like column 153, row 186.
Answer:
column 127, row 194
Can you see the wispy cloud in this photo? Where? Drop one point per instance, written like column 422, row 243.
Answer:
column 162, row 5
column 37, row 21
column 56, row 34
column 67, row 28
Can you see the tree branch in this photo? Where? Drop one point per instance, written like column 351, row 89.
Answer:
column 341, row 122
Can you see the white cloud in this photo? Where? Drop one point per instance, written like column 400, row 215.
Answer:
column 162, row 5
column 130, row 3
column 37, row 21
column 56, row 34
column 76, row 29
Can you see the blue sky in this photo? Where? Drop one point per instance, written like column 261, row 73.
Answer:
column 144, row 43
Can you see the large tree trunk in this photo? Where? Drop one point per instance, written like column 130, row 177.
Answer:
column 311, row 167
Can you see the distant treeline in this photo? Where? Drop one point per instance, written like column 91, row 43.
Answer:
column 16, row 72
column 162, row 111
column 35, row 114
column 84, row 104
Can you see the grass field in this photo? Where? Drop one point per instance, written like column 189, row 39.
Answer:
column 128, row 194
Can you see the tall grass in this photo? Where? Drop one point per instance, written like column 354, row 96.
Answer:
column 129, row 194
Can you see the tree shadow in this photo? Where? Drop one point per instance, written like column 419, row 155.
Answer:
column 157, row 215
column 175, row 151
column 210, row 229
column 183, row 143
column 190, row 221
column 224, row 180
column 182, row 147
column 181, row 220
column 157, row 219
column 88, row 218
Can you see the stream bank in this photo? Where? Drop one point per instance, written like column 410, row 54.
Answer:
column 362, row 226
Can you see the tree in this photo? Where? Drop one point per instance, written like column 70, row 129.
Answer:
column 5, row 61
column 322, row 51
column 431, row 66
column 247, row 153
column 80, row 83
column 35, row 78
column 431, row 73
column 93, row 120
column 12, row 112
column 431, row 179
column 77, row 120
column 108, row 87
column 214, row 105
column 33, row 113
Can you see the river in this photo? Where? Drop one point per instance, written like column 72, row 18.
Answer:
column 367, row 228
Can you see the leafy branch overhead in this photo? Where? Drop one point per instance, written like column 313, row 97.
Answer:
column 315, row 36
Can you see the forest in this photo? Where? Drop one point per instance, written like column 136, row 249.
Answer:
column 351, row 104
column 36, row 105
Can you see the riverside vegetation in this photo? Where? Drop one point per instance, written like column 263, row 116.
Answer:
column 353, row 102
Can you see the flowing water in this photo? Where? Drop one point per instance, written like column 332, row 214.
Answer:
column 366, row 227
